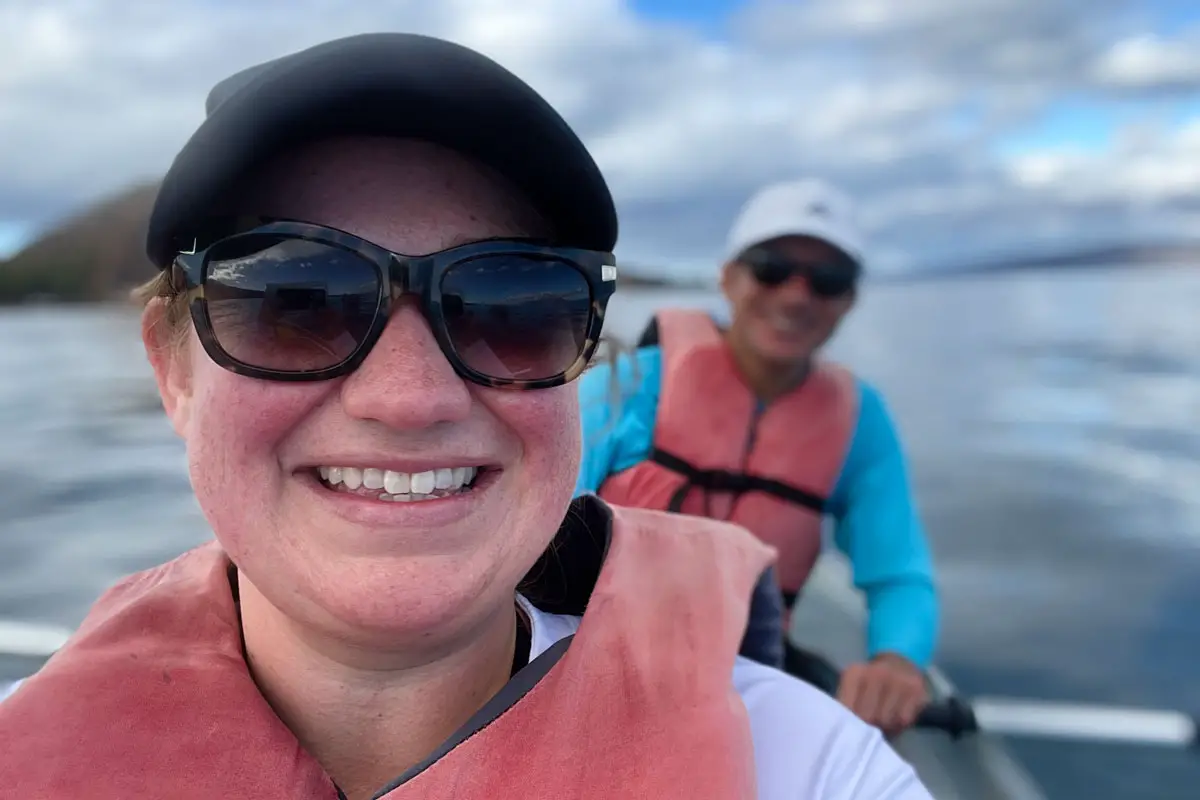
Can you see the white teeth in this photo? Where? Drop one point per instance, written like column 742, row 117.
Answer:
column 423, row 482
column 395, row 482
column 399, row 487
column 352, row 477
column 372, row 478
column 786, row 323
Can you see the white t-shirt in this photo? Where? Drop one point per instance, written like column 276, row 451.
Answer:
column 807, row 746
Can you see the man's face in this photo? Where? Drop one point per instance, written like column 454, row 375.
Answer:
column 789, row 301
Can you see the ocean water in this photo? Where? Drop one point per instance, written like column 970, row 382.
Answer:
column 1052, row 419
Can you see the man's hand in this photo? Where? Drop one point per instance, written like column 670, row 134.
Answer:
column 888, row 692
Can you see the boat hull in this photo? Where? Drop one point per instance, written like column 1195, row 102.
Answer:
column 828, row 620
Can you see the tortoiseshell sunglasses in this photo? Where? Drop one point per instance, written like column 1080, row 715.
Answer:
column 293, row 301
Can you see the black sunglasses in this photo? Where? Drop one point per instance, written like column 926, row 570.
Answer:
column 835, row 276
column 292, row 301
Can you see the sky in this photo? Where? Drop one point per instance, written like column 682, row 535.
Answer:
column 963, row 129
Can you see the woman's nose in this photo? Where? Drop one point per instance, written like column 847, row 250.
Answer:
column 406, row 382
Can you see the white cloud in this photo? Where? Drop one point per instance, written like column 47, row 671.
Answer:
column 1147, row 61
column 903, row 103
column 1144, row 168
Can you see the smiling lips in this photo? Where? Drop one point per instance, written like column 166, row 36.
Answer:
column 787, row 324
column 399, row 487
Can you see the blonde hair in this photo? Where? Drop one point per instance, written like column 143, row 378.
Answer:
column 164, row 290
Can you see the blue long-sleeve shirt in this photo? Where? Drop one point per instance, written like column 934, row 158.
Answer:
column 877, row 525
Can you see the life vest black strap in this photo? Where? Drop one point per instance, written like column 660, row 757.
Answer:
column 737, row 483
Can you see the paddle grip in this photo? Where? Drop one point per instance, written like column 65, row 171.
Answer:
column 952, row 716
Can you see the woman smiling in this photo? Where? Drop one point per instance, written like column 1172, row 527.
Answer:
column 383, row 262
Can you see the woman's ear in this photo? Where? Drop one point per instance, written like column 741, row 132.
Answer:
column 167, row 351
column 726, row 277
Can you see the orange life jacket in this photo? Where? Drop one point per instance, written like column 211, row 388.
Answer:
column 716, row 455
column 152, row 697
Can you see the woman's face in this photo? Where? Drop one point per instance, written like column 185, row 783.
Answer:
column 376, row 572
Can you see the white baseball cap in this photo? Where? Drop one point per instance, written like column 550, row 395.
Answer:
column 805, row 207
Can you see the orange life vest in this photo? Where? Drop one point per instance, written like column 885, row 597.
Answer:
column 152, row 697
column 716, row 455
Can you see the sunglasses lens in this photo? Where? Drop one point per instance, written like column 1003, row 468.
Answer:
column 287, row 304
column 516, row 317
column 771, row 271
column 825, row 279
column 831, row 280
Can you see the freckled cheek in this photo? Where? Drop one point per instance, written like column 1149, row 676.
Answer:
column 547, row 424
column 240, row 426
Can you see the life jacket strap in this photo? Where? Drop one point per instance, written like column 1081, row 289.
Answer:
column 736, row 483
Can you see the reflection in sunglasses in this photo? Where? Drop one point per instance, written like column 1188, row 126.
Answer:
column 483, row 358
column 233, row 270
column 286, row 333
column 526, row 339
column 553, row 351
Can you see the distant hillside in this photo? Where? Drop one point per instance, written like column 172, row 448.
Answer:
column 89, row 257
column 640, row 276
column 1181, row 253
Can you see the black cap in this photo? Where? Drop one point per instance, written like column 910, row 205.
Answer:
column 385, row 84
